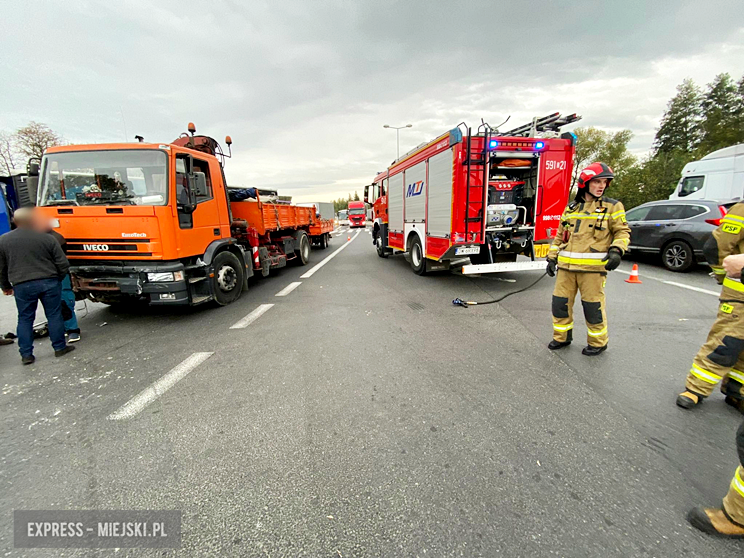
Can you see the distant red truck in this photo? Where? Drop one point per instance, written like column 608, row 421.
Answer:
column 357, row 214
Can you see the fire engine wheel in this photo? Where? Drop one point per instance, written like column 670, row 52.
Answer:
column 227, row 283
column 303, row 250
column 418, row 262
column 380, row 248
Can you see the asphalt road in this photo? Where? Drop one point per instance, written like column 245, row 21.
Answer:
column 365, row 415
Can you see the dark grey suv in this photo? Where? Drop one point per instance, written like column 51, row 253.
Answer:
column 674, row 229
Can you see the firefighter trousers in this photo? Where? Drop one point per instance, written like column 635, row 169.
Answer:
column 591, row 286
column 722, row 355
column 733, row 502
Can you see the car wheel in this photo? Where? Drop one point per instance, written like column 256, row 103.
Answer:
column 677, row 256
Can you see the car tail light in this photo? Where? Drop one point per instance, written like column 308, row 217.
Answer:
column 717, row 222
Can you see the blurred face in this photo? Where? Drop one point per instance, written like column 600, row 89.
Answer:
column 597, row 186
column 40, row 222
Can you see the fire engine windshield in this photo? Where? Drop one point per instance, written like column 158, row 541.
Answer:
column 356, row 212
column 126, row 177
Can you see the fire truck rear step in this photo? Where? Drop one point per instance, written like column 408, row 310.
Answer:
column 502, row 267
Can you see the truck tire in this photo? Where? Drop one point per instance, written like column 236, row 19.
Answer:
column 418, row 261
column 381, row 250
column 303, row 248
column 227, row 283
column 324, row 241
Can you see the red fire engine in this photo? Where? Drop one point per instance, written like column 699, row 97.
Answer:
column 432, row 202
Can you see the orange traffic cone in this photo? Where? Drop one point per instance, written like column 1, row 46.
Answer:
column 348, row 238
column 634, row 275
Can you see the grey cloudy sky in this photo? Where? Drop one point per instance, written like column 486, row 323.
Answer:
column 304, row 86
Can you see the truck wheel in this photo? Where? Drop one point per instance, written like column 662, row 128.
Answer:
column 303, row 249
column 324, row 241
column 418, row 262
column 677, row 256
column 227, row 283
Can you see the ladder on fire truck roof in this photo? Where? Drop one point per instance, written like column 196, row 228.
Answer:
column 481, row 160
column 549, row 123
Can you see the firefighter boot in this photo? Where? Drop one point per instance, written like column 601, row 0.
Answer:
column 593, row 351
column 555, row 345
column 715, row 522
column 689, row 399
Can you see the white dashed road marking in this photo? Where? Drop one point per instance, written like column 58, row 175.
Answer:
column 289, row 288
column 150, row 394
column 328, row 258
column 252, row 317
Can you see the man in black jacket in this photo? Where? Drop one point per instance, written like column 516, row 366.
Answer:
column 32, row 265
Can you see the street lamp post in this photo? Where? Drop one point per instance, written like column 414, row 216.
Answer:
column 397, row 136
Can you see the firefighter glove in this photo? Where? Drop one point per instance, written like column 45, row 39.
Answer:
column 551, row 268
column 612, row 258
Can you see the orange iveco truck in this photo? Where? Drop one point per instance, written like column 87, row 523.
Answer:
column 157, row 222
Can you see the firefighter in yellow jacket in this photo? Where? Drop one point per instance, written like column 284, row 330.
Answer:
column 591, row 239
column 722, row 355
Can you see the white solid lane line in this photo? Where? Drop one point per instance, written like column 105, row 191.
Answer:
column 698, row 289
column 150, row 394
column 289, row 288
column 674, row 284
column 252, row 317
column 328, row 258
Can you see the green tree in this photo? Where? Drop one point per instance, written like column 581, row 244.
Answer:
column 680, row 126
column 593, row 144
column 654, row 178
column 356, row 195
column 721, row 107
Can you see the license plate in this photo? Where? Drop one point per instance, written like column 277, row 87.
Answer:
column 467, row 250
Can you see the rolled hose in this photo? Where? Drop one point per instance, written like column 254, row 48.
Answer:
column 466, row 303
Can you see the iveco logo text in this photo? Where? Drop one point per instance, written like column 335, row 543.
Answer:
column 96, row 247
column 415, row 189
column 133, row 235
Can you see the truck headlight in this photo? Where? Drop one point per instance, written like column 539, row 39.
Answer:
column 156, row 277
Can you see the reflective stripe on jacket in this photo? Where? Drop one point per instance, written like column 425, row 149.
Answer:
column 593, row 228
column 727, row 240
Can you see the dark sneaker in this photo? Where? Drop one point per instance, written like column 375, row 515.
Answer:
column 688, row 399
column 6, row 341
column 715, row 522
column 63, row 352
column 28, row 359
column 555, row 345
column 73, row 337
column 593, row 351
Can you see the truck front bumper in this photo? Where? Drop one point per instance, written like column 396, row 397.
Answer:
column 131, row 279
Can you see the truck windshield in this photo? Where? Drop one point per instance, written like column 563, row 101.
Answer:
column 126, row 177
column 356, row 212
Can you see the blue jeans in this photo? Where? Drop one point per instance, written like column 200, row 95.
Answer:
column 68, row 298
column 27, row 296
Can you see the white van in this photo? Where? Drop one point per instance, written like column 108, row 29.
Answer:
column 717, row 176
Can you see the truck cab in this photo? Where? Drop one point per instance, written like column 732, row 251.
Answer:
column 144, row 220
column 357, row 214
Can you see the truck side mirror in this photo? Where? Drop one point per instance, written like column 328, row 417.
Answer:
column 32, row 169
column 366, row 194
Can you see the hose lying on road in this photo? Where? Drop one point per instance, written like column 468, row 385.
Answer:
column 466, row 303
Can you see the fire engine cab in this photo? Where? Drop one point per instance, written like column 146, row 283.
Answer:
column 487, row 196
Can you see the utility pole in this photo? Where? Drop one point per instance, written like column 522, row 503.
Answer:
column 397, row 136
